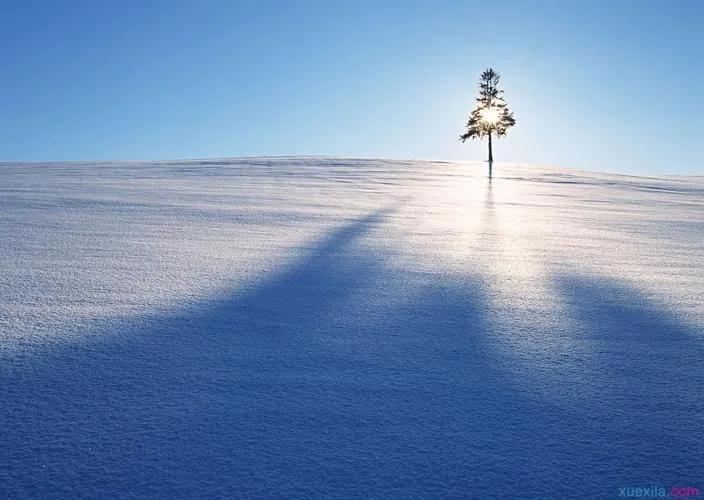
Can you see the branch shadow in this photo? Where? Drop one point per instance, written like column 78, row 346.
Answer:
column 196, row 403
column 643, row 383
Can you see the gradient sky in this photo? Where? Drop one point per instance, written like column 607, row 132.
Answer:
column 601, row 85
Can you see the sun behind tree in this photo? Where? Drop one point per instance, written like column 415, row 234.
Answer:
column 491, row 116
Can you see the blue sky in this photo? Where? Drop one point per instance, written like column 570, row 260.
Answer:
column 612, row 85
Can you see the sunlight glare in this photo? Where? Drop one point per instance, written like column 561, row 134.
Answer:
column 490, row 115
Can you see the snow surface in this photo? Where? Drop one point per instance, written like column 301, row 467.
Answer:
column 317, row 327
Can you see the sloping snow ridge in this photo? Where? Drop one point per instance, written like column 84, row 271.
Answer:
column 324, row 327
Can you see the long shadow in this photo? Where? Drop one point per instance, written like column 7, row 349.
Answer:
column 340, row 377
column 644, row 378
column 343, row 376
column 197, row 403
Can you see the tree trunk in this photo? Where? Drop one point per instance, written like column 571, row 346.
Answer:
column 491, row 156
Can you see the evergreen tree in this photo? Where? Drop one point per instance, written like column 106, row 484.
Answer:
column 491, row 116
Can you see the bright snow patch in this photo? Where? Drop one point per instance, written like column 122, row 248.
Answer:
column 338, row 327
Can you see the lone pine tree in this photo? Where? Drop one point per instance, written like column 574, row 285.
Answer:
column 491, row 116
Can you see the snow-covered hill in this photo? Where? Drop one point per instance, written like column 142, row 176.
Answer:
column 341, row 327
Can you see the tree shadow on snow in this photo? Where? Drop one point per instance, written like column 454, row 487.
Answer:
column 643, row 377
column 343, row 376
